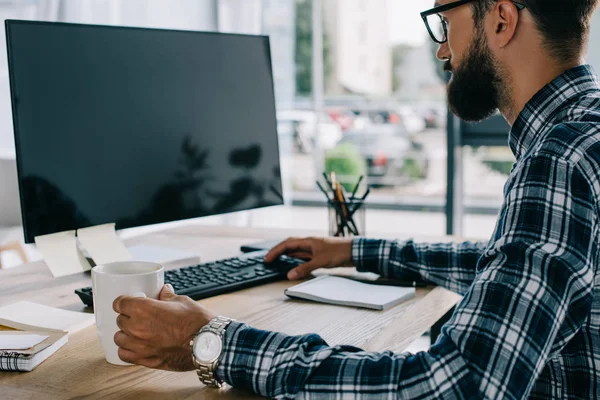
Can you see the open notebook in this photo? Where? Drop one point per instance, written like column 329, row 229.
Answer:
column 346, row 292
column 23, row 351
column 32, row 332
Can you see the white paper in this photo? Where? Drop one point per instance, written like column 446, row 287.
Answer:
column 61, row 254
column 27, row 315
column 103, row 244
column 11, row 341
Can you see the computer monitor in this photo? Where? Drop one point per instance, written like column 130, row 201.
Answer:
column 139, row 126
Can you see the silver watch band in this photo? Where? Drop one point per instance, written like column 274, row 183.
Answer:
column 206, row 372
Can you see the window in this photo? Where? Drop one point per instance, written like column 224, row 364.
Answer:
column 381, row 82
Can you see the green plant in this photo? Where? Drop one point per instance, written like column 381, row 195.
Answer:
column 347, row 163
column 414, row 168
column 504, row 167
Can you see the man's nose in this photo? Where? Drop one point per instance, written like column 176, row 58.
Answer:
column 443, row 52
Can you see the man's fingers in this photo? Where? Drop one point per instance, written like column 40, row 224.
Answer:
column 127, row 356
column 302, row 271
column 124, row 323
column 133, row 358
column 124, row 305
column 301, row 254
column 152, row 362
column 288, row 246
column 127, row 305
column 167, row 293
column 138, row 347
column 123, row 341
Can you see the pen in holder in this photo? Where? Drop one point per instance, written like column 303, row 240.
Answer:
column 346, row 214
column 346, row 218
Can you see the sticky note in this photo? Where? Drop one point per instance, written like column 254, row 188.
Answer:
column 103, row 244
column 61, row 254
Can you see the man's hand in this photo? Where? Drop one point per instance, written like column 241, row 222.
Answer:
column 157, row 333
column 322, row 253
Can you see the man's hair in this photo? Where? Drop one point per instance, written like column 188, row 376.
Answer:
column 564, row 24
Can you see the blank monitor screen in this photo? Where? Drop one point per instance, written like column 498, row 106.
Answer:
column 139, row 126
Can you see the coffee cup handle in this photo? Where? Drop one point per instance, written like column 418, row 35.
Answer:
column 138, row 294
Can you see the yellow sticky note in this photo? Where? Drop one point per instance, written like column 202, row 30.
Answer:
column 6, row 328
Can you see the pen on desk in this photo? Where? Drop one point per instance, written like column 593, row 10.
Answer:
column 323, row 190
column 349, row 221
column 360, row 202
column 328, row 182
column 332, row 201
column 364, row 196
column 333, row 180
column 356, row 187
column 340, row 204
column 343, row 211
column 342, row 207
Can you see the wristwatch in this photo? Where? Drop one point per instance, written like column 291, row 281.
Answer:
column 206, row 350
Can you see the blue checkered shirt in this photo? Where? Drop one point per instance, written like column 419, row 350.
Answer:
column 528, row 325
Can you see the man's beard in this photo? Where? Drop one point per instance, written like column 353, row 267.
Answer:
column 476, row 89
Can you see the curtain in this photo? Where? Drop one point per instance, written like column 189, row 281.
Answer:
column 173, row 14
column 241, row 16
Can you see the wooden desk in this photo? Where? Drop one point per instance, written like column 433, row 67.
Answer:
column 78, row 370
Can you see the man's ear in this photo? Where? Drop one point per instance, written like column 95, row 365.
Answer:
column 505, row 19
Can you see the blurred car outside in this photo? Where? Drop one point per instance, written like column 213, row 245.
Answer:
column 432, row 118
column 391, row 157
column 343, row 117
column 302, row 126
column 411, row 120
column 395, row 115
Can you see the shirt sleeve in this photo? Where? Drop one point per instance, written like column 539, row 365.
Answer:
column 450, row 265
column 531, row 293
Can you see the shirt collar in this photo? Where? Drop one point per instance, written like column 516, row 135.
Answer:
column 542, row 110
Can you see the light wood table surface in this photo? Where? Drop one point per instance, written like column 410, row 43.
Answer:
column 79, row 371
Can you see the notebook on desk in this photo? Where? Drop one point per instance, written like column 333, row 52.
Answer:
column 346, row 292
column 25, row 350
column 32, row 332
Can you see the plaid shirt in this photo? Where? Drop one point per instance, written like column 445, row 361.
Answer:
column 529, row 321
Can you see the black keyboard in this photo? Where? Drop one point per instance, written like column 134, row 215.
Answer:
column 222, row 276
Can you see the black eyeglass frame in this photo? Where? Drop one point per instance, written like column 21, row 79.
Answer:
column 447, row 7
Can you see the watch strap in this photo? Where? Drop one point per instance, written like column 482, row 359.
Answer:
column 206, row 372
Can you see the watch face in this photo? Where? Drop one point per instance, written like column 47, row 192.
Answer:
column 207, row 347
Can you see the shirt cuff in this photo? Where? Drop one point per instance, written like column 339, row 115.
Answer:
column 371, row 255
column 231, row 331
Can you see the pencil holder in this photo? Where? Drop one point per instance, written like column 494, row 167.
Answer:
column 346, row 219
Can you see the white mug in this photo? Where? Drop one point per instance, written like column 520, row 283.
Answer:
column 124, row 278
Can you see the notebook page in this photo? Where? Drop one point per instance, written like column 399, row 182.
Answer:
column 30, row 316
column 16, row 341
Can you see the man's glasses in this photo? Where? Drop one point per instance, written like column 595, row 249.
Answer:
column 437, row 27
